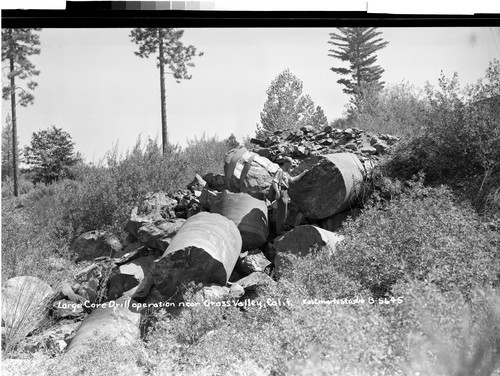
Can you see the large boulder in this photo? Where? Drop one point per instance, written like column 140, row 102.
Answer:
column 159, row 234
column 301, row 240
column 93, row 244
column 205, row 250
column 328, row 186
column 248, row 214
column 252, row 261
column 249, row 172
column 25, row 303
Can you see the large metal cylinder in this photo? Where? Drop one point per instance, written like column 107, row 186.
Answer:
column 328, row 186
column 205, row 250
column 248, row 214
column 249, row 172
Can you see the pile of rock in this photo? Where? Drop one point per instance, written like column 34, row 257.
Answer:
column 218, row 233
column 308, row 142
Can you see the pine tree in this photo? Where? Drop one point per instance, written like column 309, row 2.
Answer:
column 172, row 53
column 17, row 46
column 357, row 46
column 319, row 119
column 285, row 107
column 51, row 154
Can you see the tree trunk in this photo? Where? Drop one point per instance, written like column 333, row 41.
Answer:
column 164, row 133
column 14, row 124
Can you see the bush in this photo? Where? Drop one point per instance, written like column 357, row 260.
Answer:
column 422, row 235
column 24, row 186
column 27, row 250
column 460, row 139
column 103, row 195
column 206, row 154
column 396, row 110
column 442, row 333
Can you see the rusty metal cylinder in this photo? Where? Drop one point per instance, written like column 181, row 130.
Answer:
column 249, row 172
column 248, row 214
column 205, row 250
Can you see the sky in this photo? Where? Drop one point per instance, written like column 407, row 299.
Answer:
column 93, row 86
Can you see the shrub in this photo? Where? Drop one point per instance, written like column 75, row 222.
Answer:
column 24, row 185
column 318, row 277
column 29, row 250
column 206, row 154
column 396, row 109
column 460, row 137
column 442, row 333
column 423, row 235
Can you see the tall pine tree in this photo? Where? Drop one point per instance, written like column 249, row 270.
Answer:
column 172, row 53
column 357, row 46
column 17, row 46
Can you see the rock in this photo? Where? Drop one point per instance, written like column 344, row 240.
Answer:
column 205, row 250
column 67, row 291
column 92, row 280
column 207, row 198
column 158, row 235
column 249, row 172
column 379, row 145
column 93, row 244
column 247, row 213
column 236, row 291
column 299, row 242
column 155, row 207
column 255, row 280
column 213, row 293
column 116, row 320
column 253, row 261
column 215, row 181
column 351, row 146
column 197, row 184
column 263, row 152
column 24, row 305
column 52, row 339
column 369, row 150
column 328, row 186
column 129, row 277
column 66, row 308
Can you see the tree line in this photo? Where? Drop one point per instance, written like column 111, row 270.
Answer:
column 51, row 151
